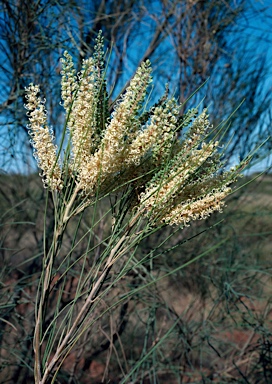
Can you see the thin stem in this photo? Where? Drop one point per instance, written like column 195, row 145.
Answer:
column 90, row 299
column 46, row 278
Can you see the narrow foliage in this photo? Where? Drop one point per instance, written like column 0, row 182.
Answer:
column 164, row 168
column 184, row 168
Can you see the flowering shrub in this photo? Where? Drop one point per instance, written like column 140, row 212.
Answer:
column 179, row 175
column 166, row 166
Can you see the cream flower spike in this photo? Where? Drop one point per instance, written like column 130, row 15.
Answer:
column 45, row 152
column 170, row 161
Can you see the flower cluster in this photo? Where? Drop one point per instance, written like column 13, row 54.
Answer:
column 157, row 135
column 42, row 139
column 68, row 81
column 172, row 159
column 110, row 158
column 81, row 121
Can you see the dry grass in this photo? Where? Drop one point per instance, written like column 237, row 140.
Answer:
column 222, row 302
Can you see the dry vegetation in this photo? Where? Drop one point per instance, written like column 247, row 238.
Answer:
column 210, row 321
